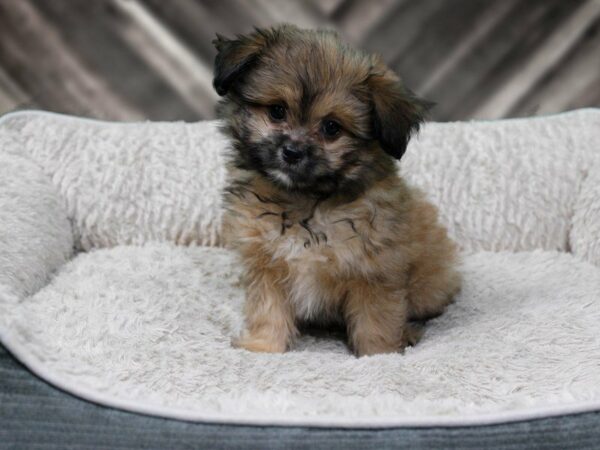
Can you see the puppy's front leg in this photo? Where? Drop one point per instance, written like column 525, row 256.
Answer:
column 376, row 319
column 269, row 317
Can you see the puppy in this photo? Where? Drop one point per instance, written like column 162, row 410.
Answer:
column 326, row 229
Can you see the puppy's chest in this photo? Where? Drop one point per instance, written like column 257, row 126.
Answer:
column 299, row 235
column 317, row 248
column 320, row 246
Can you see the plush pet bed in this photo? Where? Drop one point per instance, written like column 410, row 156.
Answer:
column 113, row 286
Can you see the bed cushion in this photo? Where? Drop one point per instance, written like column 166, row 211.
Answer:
column 35, row 233
column 151, row 326
column 500, row 185
column 139, row 322
column 127, row 183
column 34, row 402
column 509, row 184
column 585, row 229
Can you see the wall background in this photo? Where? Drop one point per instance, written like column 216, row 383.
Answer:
column 152, row 59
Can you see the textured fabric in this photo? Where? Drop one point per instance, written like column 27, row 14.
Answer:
column 502, row 185
column 35, row 235
column 508, row 184
column 152, row 325
column 585, row 230
column 127, row 183
column 34, row 415
column 146, row 325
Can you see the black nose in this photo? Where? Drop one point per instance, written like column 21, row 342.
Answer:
column 291, row 154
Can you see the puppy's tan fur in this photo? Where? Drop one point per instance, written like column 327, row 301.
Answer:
column 348, row 242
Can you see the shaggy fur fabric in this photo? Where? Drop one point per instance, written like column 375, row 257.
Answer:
column 584, row 237
column 140, row 323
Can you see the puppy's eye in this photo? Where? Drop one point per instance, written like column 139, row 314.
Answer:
column 331, row 128
column 277, row 113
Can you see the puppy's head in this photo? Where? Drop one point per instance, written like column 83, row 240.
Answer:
column 309, row 113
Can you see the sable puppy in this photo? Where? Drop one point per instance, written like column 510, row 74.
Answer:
column 326, row 229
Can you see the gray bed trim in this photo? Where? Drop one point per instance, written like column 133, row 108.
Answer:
column 34, row 414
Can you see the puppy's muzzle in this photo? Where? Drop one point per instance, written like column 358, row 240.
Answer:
column 292, row 154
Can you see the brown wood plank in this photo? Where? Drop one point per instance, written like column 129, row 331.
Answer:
column 401, row 28
column 449, row 26
column 12, row 97
column 357, row 18
column 303, row 15
column 89, row 30
column 33, row 52
column 327, row 8
column 573, row 83
column 558, row 43
column 196, row 23
column 169, row 57
column 500, row 54
column 128, row 59
column 452, row 60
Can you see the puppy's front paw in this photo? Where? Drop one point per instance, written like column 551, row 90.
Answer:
column 258, row 344
column 364, row 346
column 370, row 349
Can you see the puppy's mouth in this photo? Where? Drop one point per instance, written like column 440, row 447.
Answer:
column 291, row 166
column 282, row 178
column 290, row 176
column 303, row 179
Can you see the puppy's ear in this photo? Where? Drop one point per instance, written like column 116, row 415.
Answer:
column 235, row 57
column 397, row 112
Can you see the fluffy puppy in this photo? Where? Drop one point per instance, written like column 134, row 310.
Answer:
column 326, row 229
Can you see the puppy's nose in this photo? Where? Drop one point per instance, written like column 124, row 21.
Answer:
column 291, row 154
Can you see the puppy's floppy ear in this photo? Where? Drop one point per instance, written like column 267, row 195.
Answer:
column 397, row 112
column 236, row 56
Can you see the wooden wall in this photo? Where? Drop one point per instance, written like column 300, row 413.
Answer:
column 135, row 59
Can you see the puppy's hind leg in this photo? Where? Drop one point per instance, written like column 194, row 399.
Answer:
column 431, row 288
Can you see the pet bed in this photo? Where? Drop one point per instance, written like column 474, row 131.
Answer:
column 113, row 286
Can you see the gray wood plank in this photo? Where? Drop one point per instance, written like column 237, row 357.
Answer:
column 448, row 29
column 196, row 23
column 12, row 97
column 401, row 28
column 357, row 18
column 496, row 57
column 33, row 52
column 89, row 30
column 555, row 47
column 128, row 59
column 168, row 56
column 573, row 82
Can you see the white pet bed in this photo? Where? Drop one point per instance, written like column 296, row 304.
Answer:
column 112, row 287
